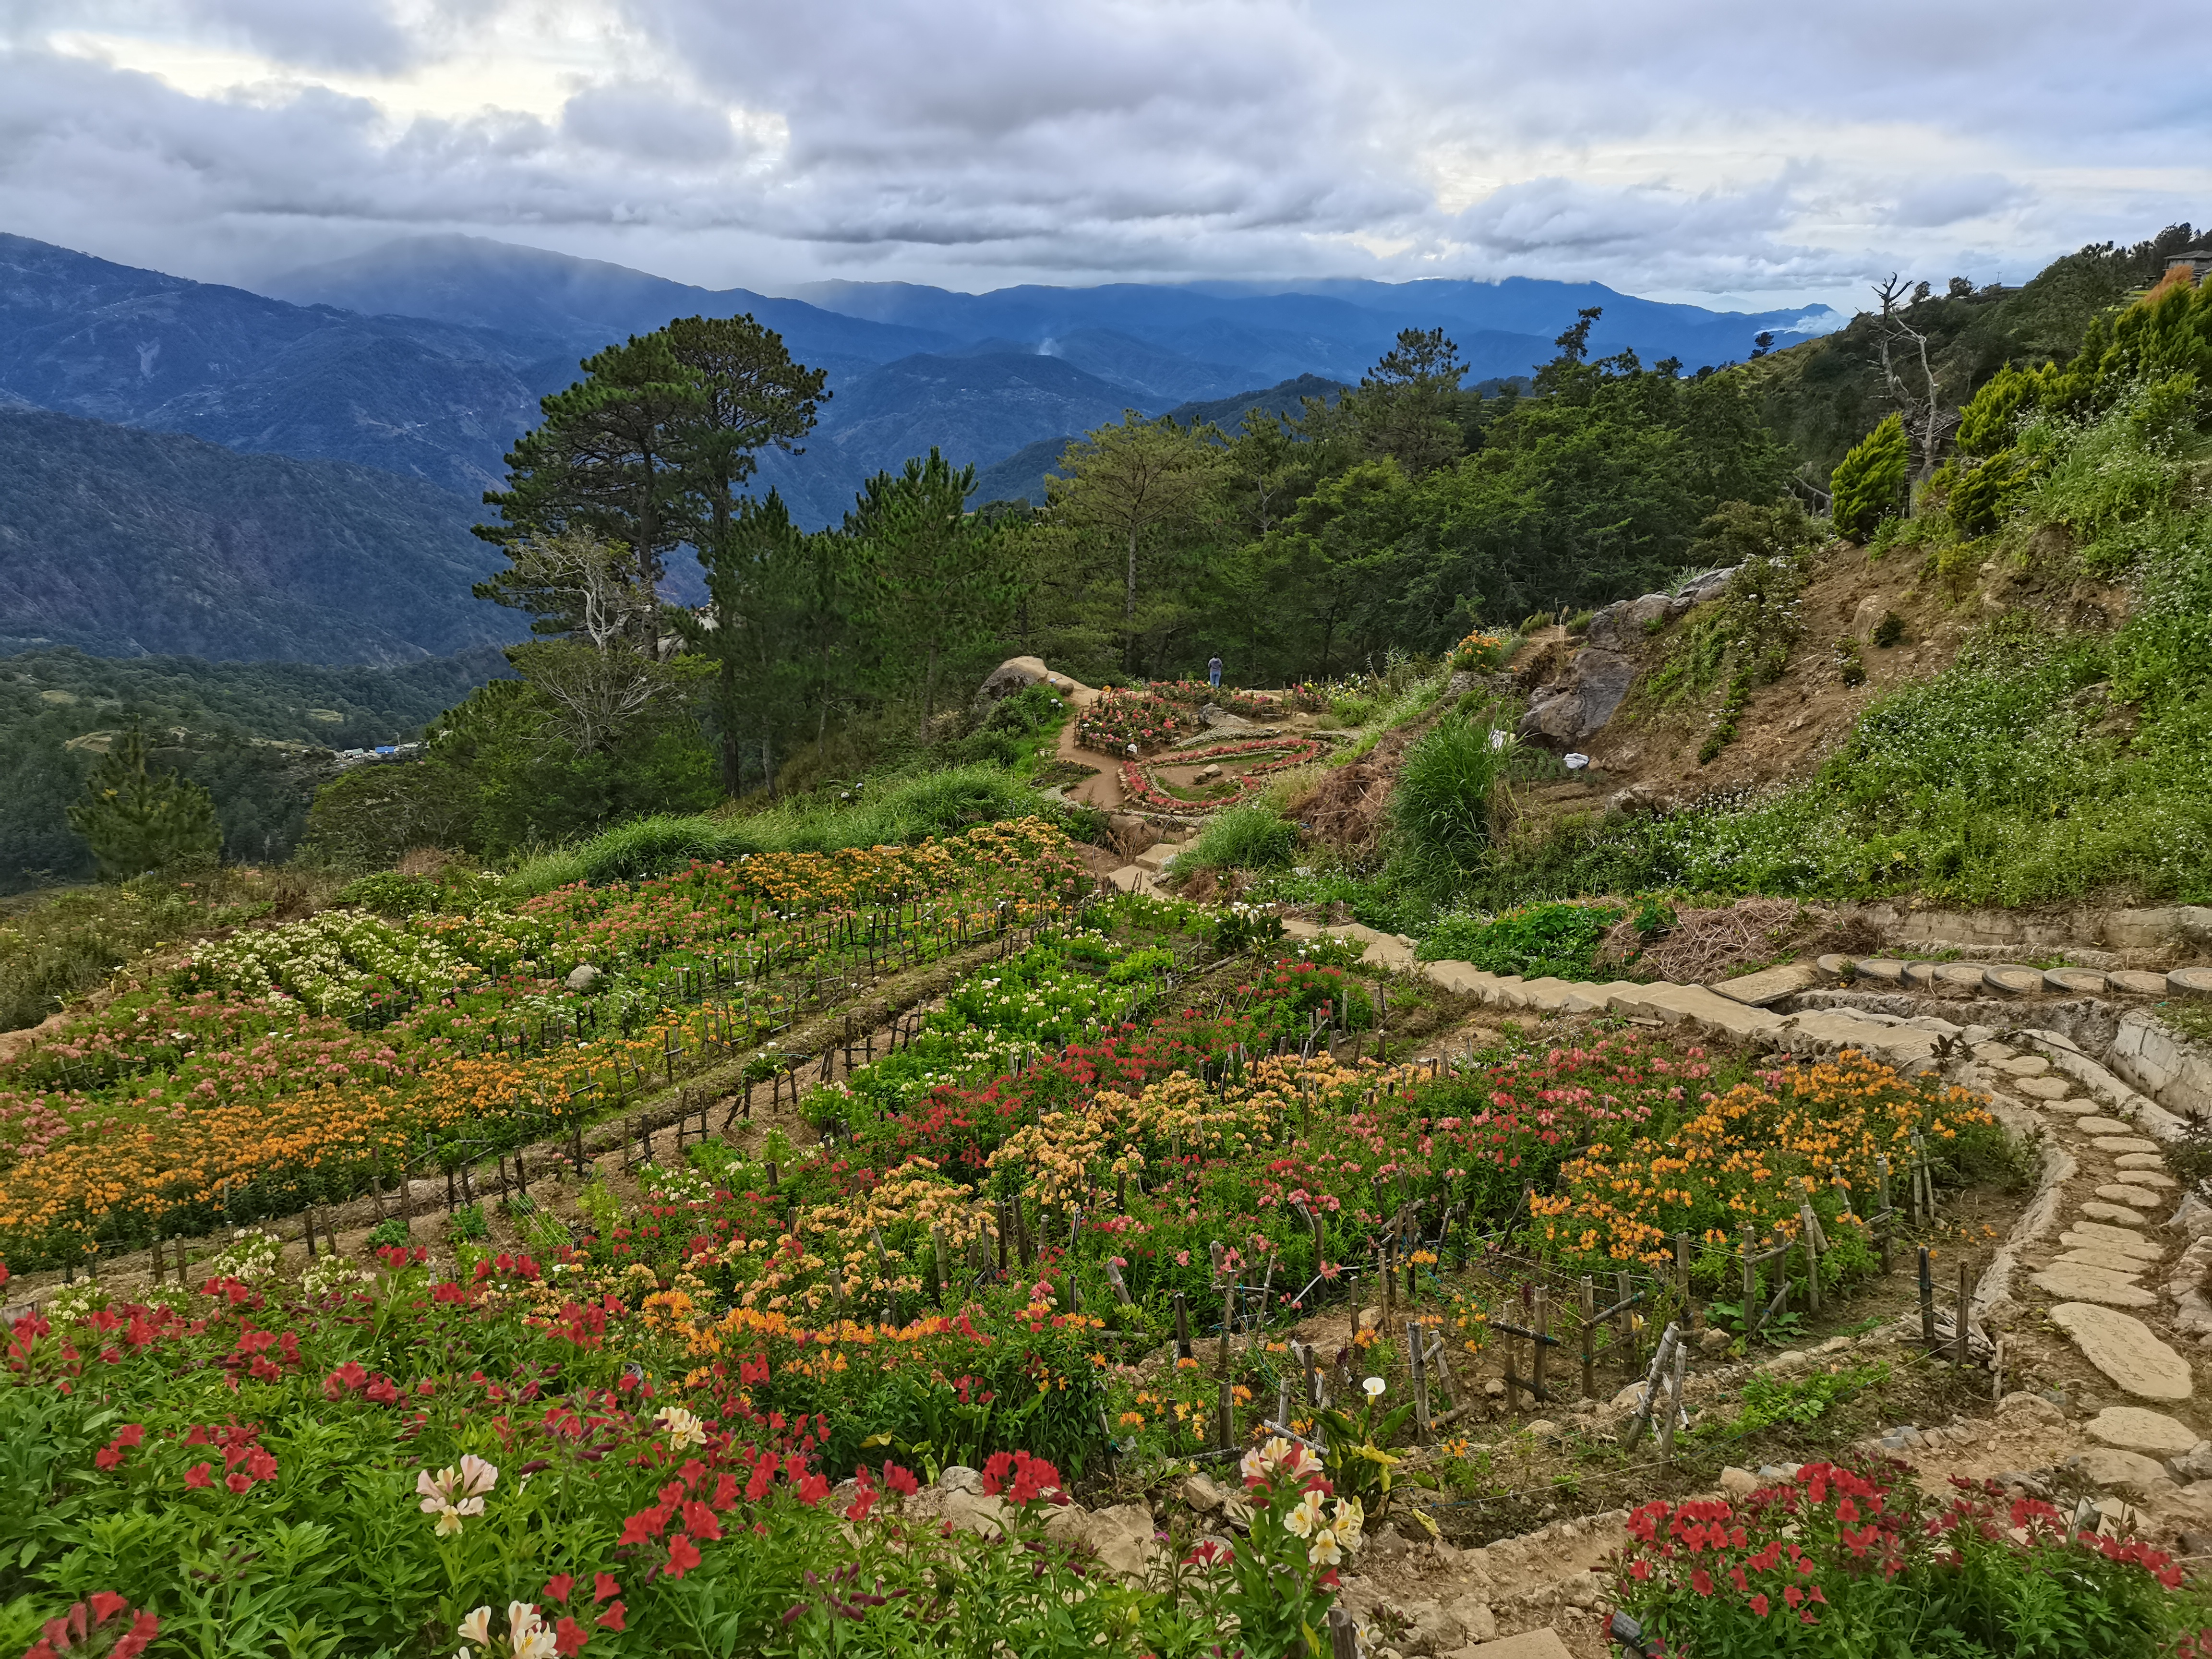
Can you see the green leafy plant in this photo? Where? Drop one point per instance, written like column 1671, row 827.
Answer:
column 467, row 1225
column 1357, row 1464
column 388, row 1234
column 1889, row 630
column 1559, row 940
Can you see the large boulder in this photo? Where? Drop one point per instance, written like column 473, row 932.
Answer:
column 1596, row 686
column 1015, row 674
column 1620, row 627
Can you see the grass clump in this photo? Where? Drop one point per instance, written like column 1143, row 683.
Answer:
column 1241, row 838
column 1444, row 813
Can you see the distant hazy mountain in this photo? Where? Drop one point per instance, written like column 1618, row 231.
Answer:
column 975, row 409
column 1288, row 398
column 574, row 305
column 1334, row 328
column 120, row 543
column 423, row 398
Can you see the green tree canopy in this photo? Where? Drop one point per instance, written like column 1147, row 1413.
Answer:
column 136, row 820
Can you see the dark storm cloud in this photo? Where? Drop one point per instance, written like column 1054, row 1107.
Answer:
column 1720, row 147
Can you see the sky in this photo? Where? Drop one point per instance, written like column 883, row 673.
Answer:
column 1728, row 153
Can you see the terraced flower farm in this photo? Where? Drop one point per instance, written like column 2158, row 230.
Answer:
column 755, row 1260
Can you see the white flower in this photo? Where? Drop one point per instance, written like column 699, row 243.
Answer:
column 453, row 1495
column 1305, row 1519
column 1374, row 1385
column 1323, row 1552
column 682, row 1428
column 1348, row 1523
column 477, row 1627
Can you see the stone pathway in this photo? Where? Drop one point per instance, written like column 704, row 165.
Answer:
column 2111, row 1290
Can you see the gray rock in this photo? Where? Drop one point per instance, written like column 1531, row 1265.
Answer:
column 1738, row 1482
column 2193, row 1218
column 1203, row 1494
column 1598, row 682
column 583, row 976
column 2153, row 1434
column 2125, row 1350
column 1015, row 674
column 1621, row 627
column 1710, row 585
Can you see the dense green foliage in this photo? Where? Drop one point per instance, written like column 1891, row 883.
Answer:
column 1869, row 481
column 1824, row 396
column 137, row 818
column 257, row 736
column 121, row 541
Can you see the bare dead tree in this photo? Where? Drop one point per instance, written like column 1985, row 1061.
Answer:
column 1927, row 422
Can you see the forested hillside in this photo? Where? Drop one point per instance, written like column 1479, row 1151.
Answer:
column 258, row 736
column 121, row 542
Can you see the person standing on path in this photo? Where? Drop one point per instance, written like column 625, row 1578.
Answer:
column 1213, row 673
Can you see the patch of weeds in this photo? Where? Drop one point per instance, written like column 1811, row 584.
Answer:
column 1850, row 668
column 1889, row 630
column 467, row 1225
column 1724, row 727
column 1554, row 940
column 1768, row 1399
column 386, row 1234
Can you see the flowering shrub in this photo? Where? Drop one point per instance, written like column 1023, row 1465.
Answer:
column 1479, row 653
column 1278, row 1587
column 1839, row 1562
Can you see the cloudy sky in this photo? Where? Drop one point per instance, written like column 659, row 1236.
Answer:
column 1724, row 152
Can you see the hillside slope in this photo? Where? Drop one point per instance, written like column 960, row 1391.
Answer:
column 120, row 543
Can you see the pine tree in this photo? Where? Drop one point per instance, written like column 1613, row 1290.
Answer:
column 1869, row 482
column 136, row 820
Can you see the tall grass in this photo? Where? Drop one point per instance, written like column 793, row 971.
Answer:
column 1241, row 838
column 896, row 814
column 1444, row 810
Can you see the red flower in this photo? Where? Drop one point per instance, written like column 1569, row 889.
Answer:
column 612, row 1618
column 558, row 1586
column 604, row 1588
column 682, row 1556
column 198, row 1475
column 1759, row 1605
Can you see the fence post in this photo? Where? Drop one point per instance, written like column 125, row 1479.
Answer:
column 1966, row 1303
column 1181, row 1314
column 1343, row 1635
column 1590, row 1337
column 1416, row 1344
column 1927, row 1302
column 1543, row 1328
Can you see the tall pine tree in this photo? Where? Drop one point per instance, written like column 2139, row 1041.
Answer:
column 137, row 820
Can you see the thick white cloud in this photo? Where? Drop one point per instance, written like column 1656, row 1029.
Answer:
column 1690, row 150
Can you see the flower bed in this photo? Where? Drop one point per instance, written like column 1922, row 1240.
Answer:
column 1840, row 1562
column 1154, row 715
column 1256, row 758
column 238, row 1088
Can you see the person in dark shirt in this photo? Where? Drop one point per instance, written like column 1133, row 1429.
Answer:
column 1213, row 673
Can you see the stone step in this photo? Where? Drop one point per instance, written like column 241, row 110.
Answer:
column 2153, row 1434
column 2125, row 1350
column 2071, row 1281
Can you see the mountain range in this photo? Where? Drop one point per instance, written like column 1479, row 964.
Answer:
column 425, row 358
